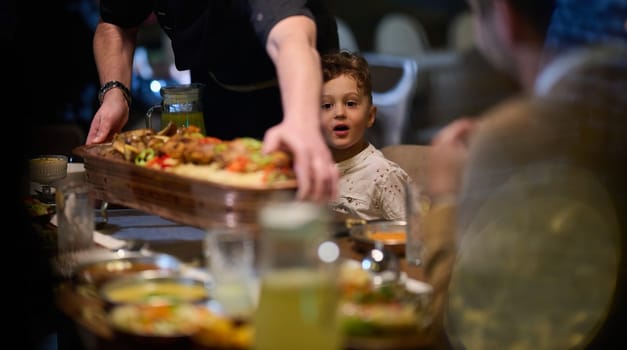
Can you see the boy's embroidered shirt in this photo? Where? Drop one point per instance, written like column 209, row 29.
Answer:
column 371, row 186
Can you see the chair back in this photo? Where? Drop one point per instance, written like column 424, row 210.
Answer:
column 400, row 34
column 346, row 36
column 460, row 35
column 394, row 81
column 412, row 158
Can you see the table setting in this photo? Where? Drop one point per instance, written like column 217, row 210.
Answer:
column 80, row 300
column 82, row 303
column 159, row 235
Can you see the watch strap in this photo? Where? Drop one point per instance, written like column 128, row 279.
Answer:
column 114, row 84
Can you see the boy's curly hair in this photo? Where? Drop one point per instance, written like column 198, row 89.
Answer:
column 347, row 63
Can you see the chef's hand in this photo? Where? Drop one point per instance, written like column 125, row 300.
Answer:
column 109, row 119
column 315, row 169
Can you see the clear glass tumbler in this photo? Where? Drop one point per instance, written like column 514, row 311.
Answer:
column 46, row 170
column 75, row 216
column 230, row 257
column 414, row 202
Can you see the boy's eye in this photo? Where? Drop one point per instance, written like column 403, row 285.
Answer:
column 351, row 103
column 327, row 106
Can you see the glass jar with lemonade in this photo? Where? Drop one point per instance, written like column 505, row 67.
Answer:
column 299, row 295
column 181, row 105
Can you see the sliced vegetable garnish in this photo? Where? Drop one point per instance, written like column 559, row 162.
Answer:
column 238, row 165
column 144, row 156
column 161, row 162
column 210, row 140
column 251, row 143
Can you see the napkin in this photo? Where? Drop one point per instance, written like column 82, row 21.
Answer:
column 107, row 241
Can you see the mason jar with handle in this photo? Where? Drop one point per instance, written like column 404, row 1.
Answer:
column 298, row 298
column 181, row 105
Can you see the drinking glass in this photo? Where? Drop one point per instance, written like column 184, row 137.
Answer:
column 230, row 257
column 45, row 170
column 75, row 216
column 414, row 204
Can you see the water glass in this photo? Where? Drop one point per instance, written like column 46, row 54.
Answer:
column 75, row 216
column 414, row 202
column 46, row 170
column 230, row 257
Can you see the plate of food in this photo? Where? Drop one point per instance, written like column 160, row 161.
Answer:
column 179, row 326
column 382, row 317
column 162, row 326
column 185, row 176
column 154, row 288
column 99, row 272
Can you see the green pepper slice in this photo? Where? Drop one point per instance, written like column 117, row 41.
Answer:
column 144, row 156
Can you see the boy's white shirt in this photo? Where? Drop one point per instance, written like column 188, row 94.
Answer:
column 371, row 186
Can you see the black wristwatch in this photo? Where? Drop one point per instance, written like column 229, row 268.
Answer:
column 112, row 85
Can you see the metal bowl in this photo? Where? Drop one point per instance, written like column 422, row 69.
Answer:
column 102, row 271
column 390, row 233
column 154, row 288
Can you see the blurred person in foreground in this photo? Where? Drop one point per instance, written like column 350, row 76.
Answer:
column 511, row 35
column 371, row 186
column 528, row 224
column 259, row 62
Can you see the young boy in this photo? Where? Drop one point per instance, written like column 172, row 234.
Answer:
column 371, row 186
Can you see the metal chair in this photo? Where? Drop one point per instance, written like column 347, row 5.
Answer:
column 394, row 81
column 346, row 36
column 402, row 35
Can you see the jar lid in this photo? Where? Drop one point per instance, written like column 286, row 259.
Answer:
column 291, row 216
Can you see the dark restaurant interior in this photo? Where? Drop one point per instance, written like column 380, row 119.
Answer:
column 454, row 81
column 54, row 90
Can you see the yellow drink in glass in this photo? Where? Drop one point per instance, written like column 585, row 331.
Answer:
column 184, row 119
column 297, row 310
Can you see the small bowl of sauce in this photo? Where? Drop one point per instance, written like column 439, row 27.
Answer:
column 391, row 233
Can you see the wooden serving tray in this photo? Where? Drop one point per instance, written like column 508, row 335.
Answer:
column 182, row 199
